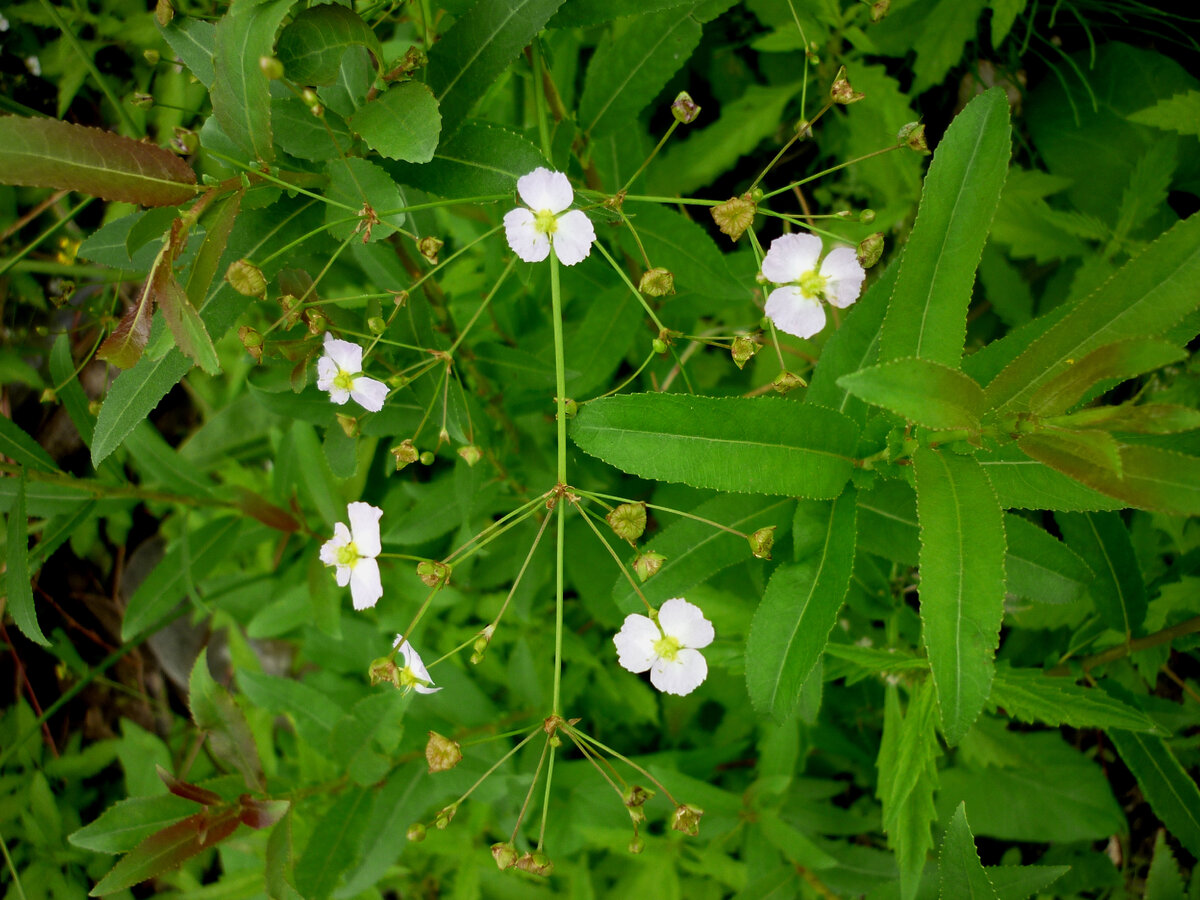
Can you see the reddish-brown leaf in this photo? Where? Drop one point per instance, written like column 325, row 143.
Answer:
column 188, row 791
column 168, row 848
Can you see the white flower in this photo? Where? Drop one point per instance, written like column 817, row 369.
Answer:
column 339, row 371
column 792, row 262
column 414, row 675
column 532, row 232
column 353, row 551
column 668, row 648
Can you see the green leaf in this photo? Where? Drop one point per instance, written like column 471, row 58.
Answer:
column 20, row 591
column 1163, row 881
column 241, row 94
column 593, row 12
column 163, row 587
column 683, row 247
column 927, row 316
column 303, row 135
column 1039, row 566
column 1148, row 295
column 333, row 845
column 797, row 847
column 1117, row 361
column 191, row 337
column 478, row 47
column 1024, row 483
column 313, row 713
column 1023, row 882
column 354, row 182
column 312, row 45
column 193, row 41
column 799, row 609
column 167, row 849
column 480, row 159
column 158, row 463
column 598, row 345
column 1180, row 112
column 1031, row 696
column 54, row 154
column 938, row 49
column 1004, row 14
column 632, row 64
column 729, row 444
column 22, row 449
column 229, row 737
column 962, row 582
column 1166, row 785
column 401, row 123
column 960, row 873
column 217, row 226
column 127, row 823
column 923, row 392
column 124, row 345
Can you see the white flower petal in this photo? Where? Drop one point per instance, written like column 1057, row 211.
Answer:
column 573, row 239
column 635, row 643
column 686, row 623
column 338, row 395
column 327, row 370
column 524, row 238
column 329, row 551
column 682, row 676
column 543, row 189
column 348, row 356
column 790, row 256
column 369, row 393
column 343, row 575
column 412, row 660
column 365, row 586
column 795, row 313
column 845, row 274
column 364, row 525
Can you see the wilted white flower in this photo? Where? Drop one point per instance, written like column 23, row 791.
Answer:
column 353, row 551
column 669, row 648
column 532, row 232
column 414, row 675
column 339, row 371
column 795, row 307
column 34, row 65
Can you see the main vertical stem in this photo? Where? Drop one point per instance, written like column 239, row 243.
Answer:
column 560, row 380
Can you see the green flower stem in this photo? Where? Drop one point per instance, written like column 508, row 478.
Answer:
column 498, row 527
column 369, row 336
column 529, row 794
column 461, row 647
column 587, row 517
column 613, row 753
column 629, row 284
column 438, row 204
column 521, row 574
column 653, row 153
column 830, row 170
column 560, row 371
column 416, row 620
column 497, row 764
column 484, row 305
column 98, row 274
column 677, row 512
column 637, row 238
column 671, row 201
column 624, row 383
column 256, row 174
column 546, row 797
column 560, row 554
column 68, row 270
column 432, row 400
column 802, row 222
column 16, row 879
column 596, row 759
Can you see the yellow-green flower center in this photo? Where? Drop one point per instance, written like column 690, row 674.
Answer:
column 667, row 648
column 408, row 678
column 545, row 222
column 343, row 380
column 813, row 284
column 347, row 555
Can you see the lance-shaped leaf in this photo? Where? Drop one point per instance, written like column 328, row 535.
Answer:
column 729, row 444
column 1163, row 881
column 1103, row 541
column 218, row 223
column 50, row 153
column 22, row 449
column 312, row 45
column 927, row 316
column 215, row 711
column 1166, row 785
column 241, row 95
column 401, row 123
column 1147, row 477
column 1117, row 362
column 1039, row 566
column 1143, row 418
column 334, row 844
column 481, row 158
column 960, row 873
column 20, row 592
column 923, row 392
column 1148, row 295
column 477, row 48
column 193, row 41
column 1025, row 483
column 127, row 823
column 631, row 66
column 962, row 582
column 124, row 346
column 191, row 337
column 799, row 608
column 1031, row 696
column 167, row 849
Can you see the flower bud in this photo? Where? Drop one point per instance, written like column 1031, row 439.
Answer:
column 271, row 67
column 349, row 424
column 635, row 798
column 441, row 753
column 743, row 350
column 912, row 136
column 49, row 395
column 628, row 521
column 505, row 855
column 94, row 407
column 637, row 845
column 762, row 541
column 684, row 109
column 384, row 671
column 151, row 56
column 842, row 92
column 879, row 9
column 657, row 282
column 427, row 458
column 246, row 278
column 318, row 324
column 405, row 453
column 570, row 408
column 433, row 573
column 164, row 12
column 481, row 644
column 429, row 247
column 471, row 454
column 870, row 249
column 659, row 345
column 786, row 382
column 400, row 298
column 376, row 325
column 867, row 216
column 647, row 563
column 416, row 832
column 444, row 817
column 142, row 101
column 804, row 129
column 252, row 341
column 536, row 863
column 734, row 216
column 184, row 142
column 309, row 96
column 687, row 819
